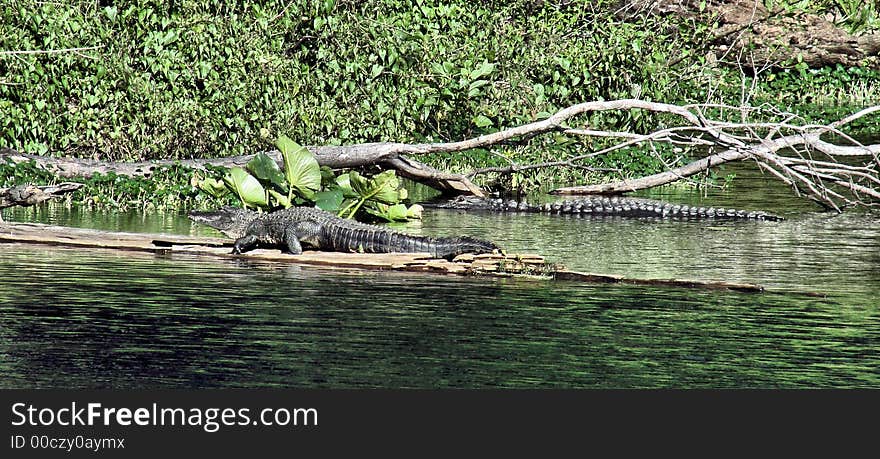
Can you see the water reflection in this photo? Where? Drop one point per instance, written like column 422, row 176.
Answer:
column 91, row 318
column 144, row 321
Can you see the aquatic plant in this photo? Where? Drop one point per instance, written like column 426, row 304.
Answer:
column 262, row 184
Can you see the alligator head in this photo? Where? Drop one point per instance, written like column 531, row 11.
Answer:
column 231, row 221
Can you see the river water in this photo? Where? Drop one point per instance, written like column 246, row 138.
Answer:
column 77, row 318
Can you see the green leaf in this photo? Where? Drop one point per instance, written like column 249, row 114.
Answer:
column 328, row 178
column 414, row 212
column 484, row 69
column 266, row 169
column 395, row 213
column 247, row 187
column 359, row 184
column 300, row 167
column 214, row 187
column 344, row 183
column 477, row 84
column 384, row 187
column 280, row 199
column 482, row 121
column 329, row 200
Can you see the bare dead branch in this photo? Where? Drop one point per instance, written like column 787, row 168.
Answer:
column 780, row 143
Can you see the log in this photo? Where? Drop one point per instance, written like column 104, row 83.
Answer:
column 686, row 283
column 29, row 195
column 387, row 153
column 36, row 233
column 493, row 265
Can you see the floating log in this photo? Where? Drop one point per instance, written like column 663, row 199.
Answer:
column 222, row 247
column 29, row 195
column 564, row 274
column 467, row 264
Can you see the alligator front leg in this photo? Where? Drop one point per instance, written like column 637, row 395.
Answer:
column 245, row 243
column 250, row 239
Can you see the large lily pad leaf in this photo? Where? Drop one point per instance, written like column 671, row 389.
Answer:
column 329, row 200
column 300, row 168
column 383, row 188
column 395, row 213
column 267, row 171
column 343, row 182
column 247, row 187
column 214, row 187
column 414, row 212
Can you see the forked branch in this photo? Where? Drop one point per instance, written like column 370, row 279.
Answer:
column 836, row 171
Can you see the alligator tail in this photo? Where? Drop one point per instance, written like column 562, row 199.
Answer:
column 440, row 247
column 646, row 208
column 448, row 247
column 615, row 207
column 374, row 240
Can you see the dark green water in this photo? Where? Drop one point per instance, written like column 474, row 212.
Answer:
column 84, row 318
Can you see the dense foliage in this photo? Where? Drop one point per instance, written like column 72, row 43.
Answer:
column 167, row 187
column 155, row 79
column 194, row 78
column 262, row 184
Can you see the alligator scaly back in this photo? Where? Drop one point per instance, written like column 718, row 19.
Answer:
column 297, row 226
column 605, row 206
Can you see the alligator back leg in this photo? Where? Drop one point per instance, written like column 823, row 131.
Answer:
column 292, row 241
column 307, row 231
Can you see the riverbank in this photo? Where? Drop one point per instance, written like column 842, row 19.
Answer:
column 385, row 70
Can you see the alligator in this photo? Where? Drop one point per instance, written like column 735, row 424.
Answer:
column 604, row 206
column 294, row 227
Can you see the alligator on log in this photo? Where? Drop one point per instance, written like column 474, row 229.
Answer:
column 606, row 207
column 297, row 226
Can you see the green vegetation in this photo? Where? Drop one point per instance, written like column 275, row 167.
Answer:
column 264, row 185
column 854, row 15
column 203, row 79
column 220, row 78
column 822, row 93
column 168, row 187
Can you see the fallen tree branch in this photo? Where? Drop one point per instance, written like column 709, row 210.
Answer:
column 783, row 148
column 662, row 178
column 30, row 195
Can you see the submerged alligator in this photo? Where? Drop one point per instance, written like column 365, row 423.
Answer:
column 297, row 226
column 606, row 207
